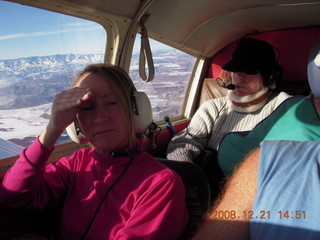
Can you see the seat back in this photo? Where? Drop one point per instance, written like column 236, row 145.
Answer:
column 197, row 193
column 211, row 89
column 15, row 225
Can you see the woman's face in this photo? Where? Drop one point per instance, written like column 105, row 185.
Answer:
column 246, row 84
column 101, row 119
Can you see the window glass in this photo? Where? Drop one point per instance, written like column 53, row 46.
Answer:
column 40, row 53
column 172, row 72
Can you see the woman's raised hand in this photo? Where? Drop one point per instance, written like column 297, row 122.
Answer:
column 65, row 106
column 64, row 110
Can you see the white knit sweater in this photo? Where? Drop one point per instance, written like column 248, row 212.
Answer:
column 212, row 121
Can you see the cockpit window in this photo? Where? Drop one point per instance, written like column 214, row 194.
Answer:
column 173, row 69
column 40, row 53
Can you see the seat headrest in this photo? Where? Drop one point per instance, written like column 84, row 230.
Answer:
column 314, row 69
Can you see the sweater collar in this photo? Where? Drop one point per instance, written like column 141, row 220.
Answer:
column 250, row 103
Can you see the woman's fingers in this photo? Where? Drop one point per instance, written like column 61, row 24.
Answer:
column 85, row 97
column 65, row 104
column 72, row 96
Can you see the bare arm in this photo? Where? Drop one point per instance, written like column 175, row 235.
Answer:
column 238, row 197
column 316, row 102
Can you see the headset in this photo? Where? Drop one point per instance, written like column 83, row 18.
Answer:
column 228, row 85
column 275, row 76
column 276, row 72
column 142, row 117
column 270, row 81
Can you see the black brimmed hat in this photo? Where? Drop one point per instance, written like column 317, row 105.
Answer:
column 252, row 56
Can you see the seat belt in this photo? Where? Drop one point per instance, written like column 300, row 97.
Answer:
column 145, row 53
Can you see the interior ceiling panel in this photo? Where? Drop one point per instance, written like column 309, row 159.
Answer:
column 201, row 26
column 122, row 8
column 220, row 23
column 239, row 23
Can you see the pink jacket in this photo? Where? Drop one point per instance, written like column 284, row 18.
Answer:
column 146, row 202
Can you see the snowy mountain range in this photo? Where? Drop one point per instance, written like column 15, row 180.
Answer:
column 28, row 86
column 27, row 82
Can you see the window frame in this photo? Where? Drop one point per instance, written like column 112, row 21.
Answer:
column 120, row 39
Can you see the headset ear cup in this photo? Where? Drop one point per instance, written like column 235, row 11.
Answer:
column 142, row 116
column 275, row 76
column 75, row 135
column 272, row 83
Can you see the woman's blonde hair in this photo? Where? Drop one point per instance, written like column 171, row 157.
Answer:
column 121, row 85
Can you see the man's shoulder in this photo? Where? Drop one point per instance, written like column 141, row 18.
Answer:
column 214, row 102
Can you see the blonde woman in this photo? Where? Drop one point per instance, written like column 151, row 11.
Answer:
column 111, row 191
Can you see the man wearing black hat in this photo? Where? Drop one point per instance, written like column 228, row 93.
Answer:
column 275, row 191
column 254, row 73
column 254, row 56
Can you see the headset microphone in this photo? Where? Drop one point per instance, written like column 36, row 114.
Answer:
column 230, row 86
column 222, row 83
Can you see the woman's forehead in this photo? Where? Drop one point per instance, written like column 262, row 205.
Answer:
column 98, row 85
column 95, row 82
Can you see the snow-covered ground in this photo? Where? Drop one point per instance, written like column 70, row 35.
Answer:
column 25, row 122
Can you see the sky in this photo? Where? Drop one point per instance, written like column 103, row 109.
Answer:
column 27, row 31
